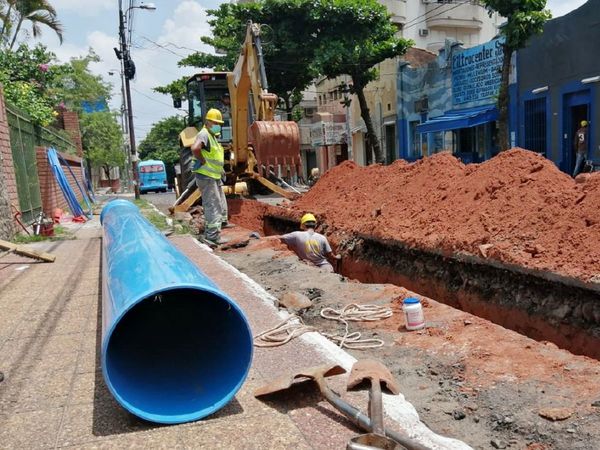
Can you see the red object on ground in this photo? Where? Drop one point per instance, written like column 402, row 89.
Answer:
column 79, row 219
column 516, row 208
column 47, row 229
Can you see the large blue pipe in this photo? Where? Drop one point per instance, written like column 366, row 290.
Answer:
column 174, row 347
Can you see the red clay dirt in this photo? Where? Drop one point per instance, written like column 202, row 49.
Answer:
column 517, row 208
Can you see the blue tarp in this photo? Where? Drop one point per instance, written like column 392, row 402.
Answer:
column 460, row 118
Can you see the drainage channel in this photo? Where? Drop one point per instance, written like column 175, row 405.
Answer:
column 544, row 307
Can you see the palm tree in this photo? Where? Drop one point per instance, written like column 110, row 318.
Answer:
column 38, row 12
column 5, row 16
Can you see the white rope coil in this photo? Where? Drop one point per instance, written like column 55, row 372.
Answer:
column 283, row 332
column 293, row 327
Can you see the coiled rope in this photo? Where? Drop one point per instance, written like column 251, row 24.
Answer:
column 294, row 326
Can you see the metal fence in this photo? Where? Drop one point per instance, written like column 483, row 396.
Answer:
column 24, row 137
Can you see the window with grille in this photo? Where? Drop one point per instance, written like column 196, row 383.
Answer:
column 535, row 125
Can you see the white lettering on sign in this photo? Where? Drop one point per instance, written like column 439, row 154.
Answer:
column 476, row 72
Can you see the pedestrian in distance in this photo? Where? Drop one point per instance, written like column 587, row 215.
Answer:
column 209, row 159
column 310, row 245
column 581, row 147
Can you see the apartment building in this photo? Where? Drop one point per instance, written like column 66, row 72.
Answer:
column 432, row 25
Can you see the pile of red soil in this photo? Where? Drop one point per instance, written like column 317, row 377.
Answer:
column 517, row 208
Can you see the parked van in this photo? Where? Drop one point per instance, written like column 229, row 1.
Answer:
column 153, row 176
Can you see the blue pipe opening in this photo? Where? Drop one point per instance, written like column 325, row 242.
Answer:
column 178, row 355
column 175, row 348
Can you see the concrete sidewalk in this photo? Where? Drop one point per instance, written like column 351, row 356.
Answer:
column 53, row 395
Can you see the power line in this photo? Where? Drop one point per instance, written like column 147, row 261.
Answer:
column 164, row 47
column 427, row 13
column 151, row 98
column 180, row 47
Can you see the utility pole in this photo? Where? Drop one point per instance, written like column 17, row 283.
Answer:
column 124, row 129
column 129, row 72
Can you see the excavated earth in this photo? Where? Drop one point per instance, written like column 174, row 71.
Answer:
column 511, row 241
column 467, row 377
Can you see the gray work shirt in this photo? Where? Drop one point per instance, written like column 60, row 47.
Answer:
column 309, row 245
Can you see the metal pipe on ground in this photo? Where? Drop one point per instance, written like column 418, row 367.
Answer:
column 175, row 348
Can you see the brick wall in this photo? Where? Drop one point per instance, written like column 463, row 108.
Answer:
column 71, row 124
column 6, row 159
column 52, row 196
column 8, row 182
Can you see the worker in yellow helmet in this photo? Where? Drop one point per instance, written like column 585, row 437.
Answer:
column 209, row 159
column 310, row 245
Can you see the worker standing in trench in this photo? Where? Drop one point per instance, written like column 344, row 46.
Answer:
column 310, row 245
column 209, row 159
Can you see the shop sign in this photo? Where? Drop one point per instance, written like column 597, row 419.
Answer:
column 327, row 133
column 476, row 72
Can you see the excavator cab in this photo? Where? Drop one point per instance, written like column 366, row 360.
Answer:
column 206, row 91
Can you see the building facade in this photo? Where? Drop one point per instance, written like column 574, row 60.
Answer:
column 449, row 102
column 559, row 86
column 430, row 24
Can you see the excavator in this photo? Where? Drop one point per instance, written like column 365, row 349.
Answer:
column 259, row 151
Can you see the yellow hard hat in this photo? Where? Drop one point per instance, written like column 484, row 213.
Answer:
column 214, row 115
column 307, row 218
column 584, row 123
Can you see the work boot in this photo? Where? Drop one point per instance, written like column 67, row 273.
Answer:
column 215, row 242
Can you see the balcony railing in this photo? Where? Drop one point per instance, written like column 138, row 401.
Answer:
column 397, row 9
column 454, row 14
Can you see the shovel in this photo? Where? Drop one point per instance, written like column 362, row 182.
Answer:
column 376, row 373
column 318, row 375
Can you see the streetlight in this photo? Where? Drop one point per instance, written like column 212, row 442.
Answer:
column 128, row 69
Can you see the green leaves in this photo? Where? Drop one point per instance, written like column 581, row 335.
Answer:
column 162, row 141
column 102, row 139
column 525, row 18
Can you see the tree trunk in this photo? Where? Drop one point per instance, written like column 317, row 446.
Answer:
column 12, row 43
column 372, row 141
column 503, row 135
column 288, row 107
column 106, row 171
column 6, row 23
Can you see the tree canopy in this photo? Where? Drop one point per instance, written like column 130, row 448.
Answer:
column 102, row 140
column 524, row 19
column 303, row 39
column 17, row 13
column 287, row 41
column 353, row 37
column 162, row 143
column 36, row 83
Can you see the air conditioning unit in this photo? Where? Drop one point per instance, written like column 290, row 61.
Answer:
column 423, row 32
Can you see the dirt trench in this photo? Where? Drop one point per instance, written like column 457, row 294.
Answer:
column 468, row 378
column 541, row 306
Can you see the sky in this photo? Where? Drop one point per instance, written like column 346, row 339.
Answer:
column 160, row 39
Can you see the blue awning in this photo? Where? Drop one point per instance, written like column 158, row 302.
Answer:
column 461, row 118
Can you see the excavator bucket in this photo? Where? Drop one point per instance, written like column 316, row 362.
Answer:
column 276, row 144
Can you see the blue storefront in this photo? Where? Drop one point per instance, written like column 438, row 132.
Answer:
column 449, row 104
column 559, row 86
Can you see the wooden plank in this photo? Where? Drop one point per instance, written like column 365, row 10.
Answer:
column 24, row 251
column 189, row 202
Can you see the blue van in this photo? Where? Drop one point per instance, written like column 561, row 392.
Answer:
column 153, row 176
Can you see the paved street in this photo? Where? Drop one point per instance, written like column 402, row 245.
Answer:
column 162, row 200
